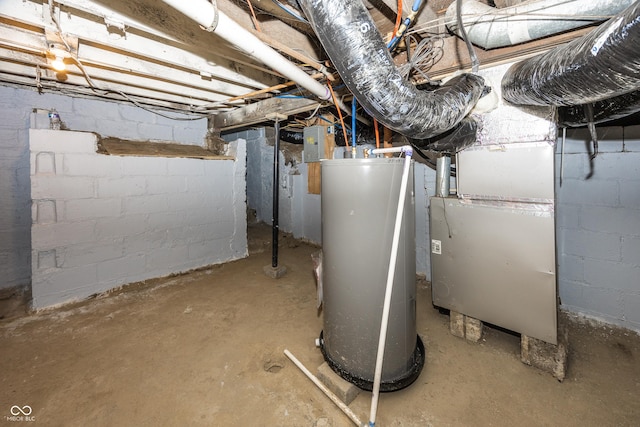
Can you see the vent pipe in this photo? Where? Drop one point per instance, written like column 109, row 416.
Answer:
column 603, row 64
column 357, row 51
column 490, row 28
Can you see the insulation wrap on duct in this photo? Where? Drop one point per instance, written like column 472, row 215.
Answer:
column 603, row 111
column 291, row 136
column 490, row 27
column 458, row 138
column 603, row 64
column 360, row 56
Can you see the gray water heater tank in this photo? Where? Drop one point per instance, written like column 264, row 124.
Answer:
column 359, row 205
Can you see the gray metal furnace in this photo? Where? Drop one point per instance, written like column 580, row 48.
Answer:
column 493, row 245
column 359, row 203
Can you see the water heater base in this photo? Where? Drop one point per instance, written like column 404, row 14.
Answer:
column 385, row 386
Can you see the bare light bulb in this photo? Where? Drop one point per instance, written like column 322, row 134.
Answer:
column 58, row 64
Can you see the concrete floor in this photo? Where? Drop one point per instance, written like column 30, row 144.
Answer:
column 206, row 348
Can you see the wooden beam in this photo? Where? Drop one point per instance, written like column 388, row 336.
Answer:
column 257, row 112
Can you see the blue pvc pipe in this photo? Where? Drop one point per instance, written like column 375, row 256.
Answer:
column 354, row 105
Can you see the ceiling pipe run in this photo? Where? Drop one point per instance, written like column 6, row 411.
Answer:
column 211, row 19
column 357, row 51
column 490, row 28
column 603, row 64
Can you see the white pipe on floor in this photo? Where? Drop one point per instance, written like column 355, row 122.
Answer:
column 347, row 411
column 408, row 151
column 206, row 14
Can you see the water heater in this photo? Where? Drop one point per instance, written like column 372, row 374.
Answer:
column 359, row 205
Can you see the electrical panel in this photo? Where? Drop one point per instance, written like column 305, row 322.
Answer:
column 314, row 142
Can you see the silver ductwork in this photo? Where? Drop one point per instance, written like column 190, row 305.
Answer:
column 601, row 111
column 357, row 51
column 601, row 65
column 490, row 28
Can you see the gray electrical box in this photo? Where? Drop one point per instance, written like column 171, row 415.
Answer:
column 314, row 141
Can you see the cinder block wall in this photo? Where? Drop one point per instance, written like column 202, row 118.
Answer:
column 299, row 211
column 598, row 226
column 103, row 221
column 105, row 118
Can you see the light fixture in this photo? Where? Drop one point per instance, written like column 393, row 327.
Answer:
column 58, row 64
column 56, row 58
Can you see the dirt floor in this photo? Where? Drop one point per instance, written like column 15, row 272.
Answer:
column 206, row 349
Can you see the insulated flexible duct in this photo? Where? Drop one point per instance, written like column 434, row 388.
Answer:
column 603, row 64
column 458, row 138
column 603, row 111
column 359, row 54
column 490, row 27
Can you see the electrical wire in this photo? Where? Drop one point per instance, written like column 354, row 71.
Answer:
column 95, row 88
column 290, row 11
column 426, row 54
column 475, row 63
column 314, row 113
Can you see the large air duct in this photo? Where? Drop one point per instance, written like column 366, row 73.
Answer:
column 489, row 27
column 357, row 51
column 455, row 139
column 603, row 64
column 601, row 111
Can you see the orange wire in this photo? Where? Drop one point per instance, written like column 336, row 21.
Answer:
column 375, row 126
column 398, row 19
column 253, row 14
column 335, row 101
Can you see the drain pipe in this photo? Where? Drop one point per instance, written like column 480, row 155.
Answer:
column 490, row 27
column 213, row 20
column 276, row 195
column 408, row 151
column 352, row 41
column 335, row 399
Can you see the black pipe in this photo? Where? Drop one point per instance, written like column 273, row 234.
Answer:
column 603, row 64
column 276, row 181
column 357, row 51
column 291, row 136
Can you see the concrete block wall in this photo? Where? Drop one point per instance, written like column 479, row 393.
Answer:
column 103, row 221
column 598, row 226
column 299, row 211
column 106, row 118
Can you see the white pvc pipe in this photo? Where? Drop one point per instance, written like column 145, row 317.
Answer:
column 408, row 151
column 204, row 13
column 347, row 411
